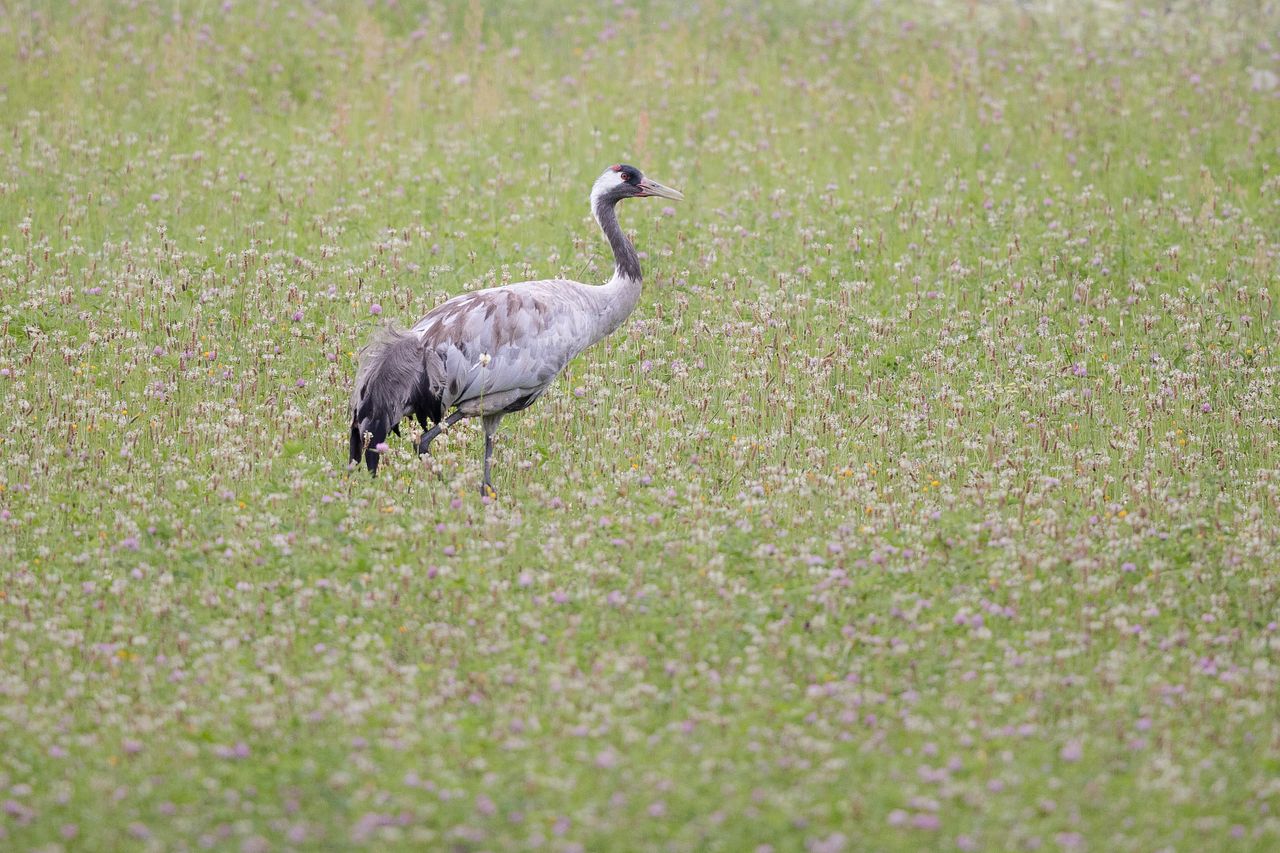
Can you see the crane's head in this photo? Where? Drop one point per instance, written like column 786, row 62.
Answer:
column 623, row 181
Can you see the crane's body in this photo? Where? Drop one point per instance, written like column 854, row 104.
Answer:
column 495, row 351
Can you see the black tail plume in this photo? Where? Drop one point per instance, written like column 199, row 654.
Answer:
column 390, row 374
column 357, row 438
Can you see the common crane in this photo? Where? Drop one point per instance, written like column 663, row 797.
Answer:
column 493, row 352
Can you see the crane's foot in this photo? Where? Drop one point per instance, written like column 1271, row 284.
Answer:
column 424, row 449
column 432, row 466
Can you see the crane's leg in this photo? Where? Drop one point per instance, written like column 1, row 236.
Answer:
column 490, row 430
column 424, row 443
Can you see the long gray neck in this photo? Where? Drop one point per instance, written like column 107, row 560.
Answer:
column 624, row 254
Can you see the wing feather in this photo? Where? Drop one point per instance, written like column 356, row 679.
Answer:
column 502, row 347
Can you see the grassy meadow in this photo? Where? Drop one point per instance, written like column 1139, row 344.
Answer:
column 930, row 499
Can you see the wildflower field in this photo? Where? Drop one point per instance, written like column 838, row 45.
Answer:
column 929, row 500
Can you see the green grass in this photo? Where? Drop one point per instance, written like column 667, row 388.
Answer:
column 929, row 499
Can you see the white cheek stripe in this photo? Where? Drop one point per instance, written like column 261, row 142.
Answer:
column 603, row 184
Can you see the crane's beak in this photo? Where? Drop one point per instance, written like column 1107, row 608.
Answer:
column 648, row 188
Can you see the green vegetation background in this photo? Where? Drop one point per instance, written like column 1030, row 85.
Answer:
column 929, row 499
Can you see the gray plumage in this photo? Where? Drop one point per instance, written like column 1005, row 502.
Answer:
column 495, row 351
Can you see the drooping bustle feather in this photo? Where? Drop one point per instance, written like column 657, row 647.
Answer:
column 390, row 383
